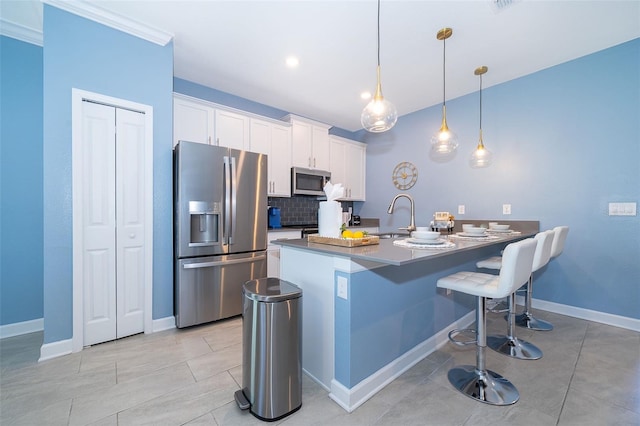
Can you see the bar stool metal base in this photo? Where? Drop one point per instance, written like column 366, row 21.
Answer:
column 484, row 386
column 514, row 347
column 527, row 321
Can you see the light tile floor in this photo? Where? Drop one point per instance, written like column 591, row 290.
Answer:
column 589, row 375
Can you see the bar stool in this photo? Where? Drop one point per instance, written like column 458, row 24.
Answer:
column 510, row 345
column 556, row 245
column 476, row 381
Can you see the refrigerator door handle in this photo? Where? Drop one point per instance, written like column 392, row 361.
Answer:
column 221, row 262
column 234, row 190
column 227, row 200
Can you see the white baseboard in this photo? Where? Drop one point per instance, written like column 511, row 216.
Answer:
column 55, row 349
column 162, row 324
column 24, row 327
column 587, row 314
column 65, row 347
column 350, row 399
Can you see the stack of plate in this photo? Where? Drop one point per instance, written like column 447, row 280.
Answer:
column 425, row 237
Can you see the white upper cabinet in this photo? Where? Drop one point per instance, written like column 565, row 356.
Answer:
column 192, row 121
column 348, row 167
column 274, row 140
column 200, row 121
column 310, row 143
column 231, row 130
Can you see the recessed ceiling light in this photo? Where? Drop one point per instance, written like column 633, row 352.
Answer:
column 365, row 95
column 292, row 62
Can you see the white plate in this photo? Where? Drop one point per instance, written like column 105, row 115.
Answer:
column 503, row 231
column 465, row 234
column 435, row 242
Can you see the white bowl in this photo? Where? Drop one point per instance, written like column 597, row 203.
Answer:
column 499, row 227
column 422, row 228
column 425, row 235
column 474, row 230
column 466, row 226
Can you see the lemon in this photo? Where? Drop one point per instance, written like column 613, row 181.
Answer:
column 347, row 234
column 358, row 234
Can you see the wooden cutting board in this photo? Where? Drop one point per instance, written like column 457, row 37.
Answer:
column 344, row 242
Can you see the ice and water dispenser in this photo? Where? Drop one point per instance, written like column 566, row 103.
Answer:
column 205, row 223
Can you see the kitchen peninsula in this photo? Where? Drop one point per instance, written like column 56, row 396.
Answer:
column 372, row 312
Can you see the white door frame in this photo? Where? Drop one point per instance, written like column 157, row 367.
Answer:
column 77, row 97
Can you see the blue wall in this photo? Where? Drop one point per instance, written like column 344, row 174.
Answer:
column 556, row 161
column 21, row 292
column 565, row 142
column 83, row 54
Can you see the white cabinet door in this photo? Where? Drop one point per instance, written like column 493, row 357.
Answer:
column 310, row 144
column 348, row 162
column 275, row 141
column 338, row 163
column 280, row 161
column 273, row 261
column 355, row 170
column 301, row 151
column 231, row 129
column 192, row 121
column 273, row 250
column 320, row 148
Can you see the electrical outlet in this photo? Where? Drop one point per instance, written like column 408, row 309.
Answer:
column 506, row 209
column 448, row 292
column 342, row 288
column 461, row 209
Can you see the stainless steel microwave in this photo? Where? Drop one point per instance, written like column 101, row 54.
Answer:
column 308, row 181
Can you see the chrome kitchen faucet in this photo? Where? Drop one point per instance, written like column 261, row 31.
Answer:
column 412, row 225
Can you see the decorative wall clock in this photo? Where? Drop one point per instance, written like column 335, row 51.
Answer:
column 404, row 175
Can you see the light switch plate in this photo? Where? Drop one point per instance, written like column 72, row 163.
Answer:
column 342, row 288
column 622, row 209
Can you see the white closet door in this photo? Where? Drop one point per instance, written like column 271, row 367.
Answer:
column 113, row 221
column 130, row 213
column 99, row 222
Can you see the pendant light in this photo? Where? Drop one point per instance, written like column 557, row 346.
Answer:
column 481, row 157
column 444, row 142
column 379, row 115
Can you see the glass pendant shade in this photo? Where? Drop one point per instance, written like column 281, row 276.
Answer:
column 481, row 157
column 444, row 142
column 379, row 115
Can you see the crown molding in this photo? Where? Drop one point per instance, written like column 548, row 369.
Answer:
column 113, row 20
column 20, row 32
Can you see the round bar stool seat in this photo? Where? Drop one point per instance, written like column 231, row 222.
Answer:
column 476, row 381
column 526, row 319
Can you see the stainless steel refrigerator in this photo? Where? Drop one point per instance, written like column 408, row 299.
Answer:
column 220, row 229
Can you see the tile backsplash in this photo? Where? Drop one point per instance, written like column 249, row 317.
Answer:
column 300, row 209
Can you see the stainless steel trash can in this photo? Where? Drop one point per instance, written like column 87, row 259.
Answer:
column 271, row 349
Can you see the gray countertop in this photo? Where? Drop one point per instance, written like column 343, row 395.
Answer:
column 388, row 253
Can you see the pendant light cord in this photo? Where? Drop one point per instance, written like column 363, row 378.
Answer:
column 378, row 33
column 444, row 74
column 481, row 103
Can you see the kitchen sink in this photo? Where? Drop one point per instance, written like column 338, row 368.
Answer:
column 392, row 235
